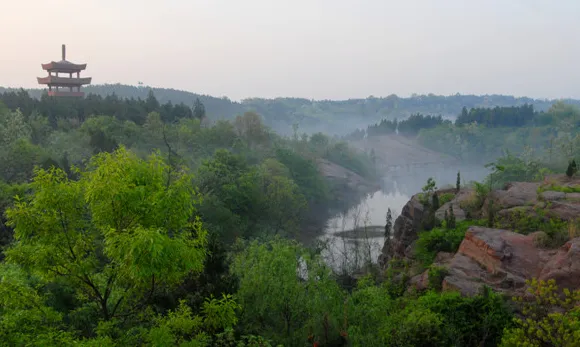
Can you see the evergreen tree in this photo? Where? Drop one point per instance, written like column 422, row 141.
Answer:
column 389, row 225
column 451, row 224
column 198, row 109
column 570, row 169
column 151, row 103
column 435, row 202
column 458, row 182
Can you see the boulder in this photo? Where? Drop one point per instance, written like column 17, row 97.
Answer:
column 564, row 266
column 405, row 230
column 504, row 260
column 566, row 210
column 517, row 194
column 552, row 196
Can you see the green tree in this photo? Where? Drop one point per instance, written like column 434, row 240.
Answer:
column 123, row 232
column 287, row 293
column 151, row 103
column 198, row 109
column 458, row 182
column 388, row 225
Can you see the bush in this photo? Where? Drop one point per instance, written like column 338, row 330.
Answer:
column 445, row 198
column 436, row 276
column 440, row 240
column 550, row 319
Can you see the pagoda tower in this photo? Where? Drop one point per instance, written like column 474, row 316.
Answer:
column 59, row 85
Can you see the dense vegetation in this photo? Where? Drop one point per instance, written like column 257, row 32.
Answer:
column 328, row 116
column 480, row 135
column 130, row 222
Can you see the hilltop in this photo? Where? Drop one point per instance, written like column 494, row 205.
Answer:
column 329, row 116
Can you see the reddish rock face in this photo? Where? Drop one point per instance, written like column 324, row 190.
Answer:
column 503, row 260
column 405, row 230
column 564, row 266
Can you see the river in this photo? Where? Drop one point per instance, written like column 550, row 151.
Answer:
column 355, row 237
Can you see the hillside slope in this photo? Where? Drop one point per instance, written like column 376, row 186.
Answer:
column 328, row 116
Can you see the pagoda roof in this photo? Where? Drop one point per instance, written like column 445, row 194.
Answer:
column 63, row 66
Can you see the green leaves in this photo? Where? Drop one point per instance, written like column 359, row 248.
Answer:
column 286, row 293
column 117, row 235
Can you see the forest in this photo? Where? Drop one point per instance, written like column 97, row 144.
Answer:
column 339, row 117
column 140, row 222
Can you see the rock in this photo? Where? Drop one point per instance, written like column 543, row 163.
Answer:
column 504, row 260
column 405, row 230
column 516, row 194
column 347, row 177
column 419, row 282
column 573, row 196
column 564, row 266
column 566, row 210
column 552, row 196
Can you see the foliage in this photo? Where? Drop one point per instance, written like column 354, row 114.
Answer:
column 445, row 198
column 440, row 239
column 124, row 231
column 549, row 319
column 436, row 275
column 572, row 168
column 286, row 293
column 514, row 116
column 434, row 319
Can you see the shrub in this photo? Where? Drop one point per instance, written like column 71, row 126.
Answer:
column 438, row 240
column 550, row 319
column 445, row 198
column 436, row 276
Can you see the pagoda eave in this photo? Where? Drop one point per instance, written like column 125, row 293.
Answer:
column 64, row 81
column 63, row 67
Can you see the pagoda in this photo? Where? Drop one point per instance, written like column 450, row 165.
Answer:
column 59, row 85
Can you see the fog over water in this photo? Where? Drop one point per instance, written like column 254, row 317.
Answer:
column 347, row 250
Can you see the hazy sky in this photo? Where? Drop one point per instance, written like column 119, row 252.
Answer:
column 335, row 49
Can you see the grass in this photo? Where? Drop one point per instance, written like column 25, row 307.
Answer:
column 559, row 188
column 445, row 198
column 438, row 240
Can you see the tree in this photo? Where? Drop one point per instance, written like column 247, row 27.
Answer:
column 123, row 232
column 430, row 186
column 571, row 170
column 198, row 109
column 287, row 293
column 388, row 225
column 458, row 182
column 451, row 224
column 151, row 103
column 435, row 202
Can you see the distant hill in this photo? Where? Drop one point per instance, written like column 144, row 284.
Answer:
column 329, row 116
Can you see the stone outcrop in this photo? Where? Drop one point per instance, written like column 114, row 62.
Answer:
column 405, row 230
column 348, row 178
column 409, row 222
column 500, row 259
column 504, row 260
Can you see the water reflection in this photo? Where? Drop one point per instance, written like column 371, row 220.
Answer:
column 355, row 237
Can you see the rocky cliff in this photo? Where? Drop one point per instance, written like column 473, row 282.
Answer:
column 497, row 257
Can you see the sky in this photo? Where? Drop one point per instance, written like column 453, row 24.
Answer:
column 316, row 49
